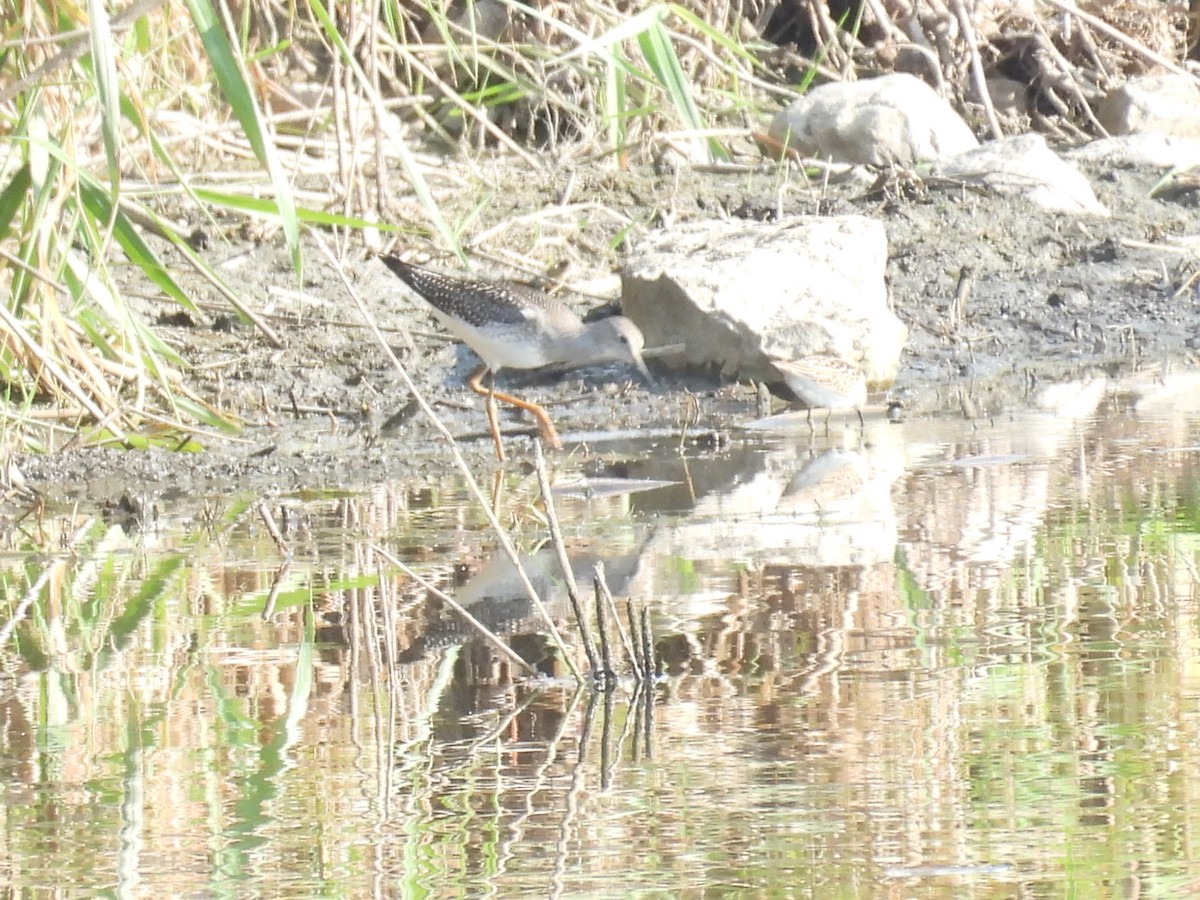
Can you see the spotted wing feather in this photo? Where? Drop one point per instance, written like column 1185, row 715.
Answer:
column 474, row 301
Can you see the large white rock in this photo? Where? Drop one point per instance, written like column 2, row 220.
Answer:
column 892, row 120
column 739, row 294
column 1024, row 165
column 1167, row 103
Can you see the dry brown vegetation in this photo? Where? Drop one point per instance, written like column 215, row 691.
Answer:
column 116, row 130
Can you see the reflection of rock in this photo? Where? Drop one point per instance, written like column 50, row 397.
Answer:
column 832, row 508
column 1169, row 393
column 967, row 523
column 1073, row 399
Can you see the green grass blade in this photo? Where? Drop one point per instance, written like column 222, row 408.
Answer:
column 201, row 265
column 12, row 197
column 104, row 68
column 266, row 206
column 615, row 101
column 205, row 416
column 137, row 250
column 660, row 56
column 231, row 78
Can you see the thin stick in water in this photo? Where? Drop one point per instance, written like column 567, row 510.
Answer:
column 612, row 606
column 651, row 669
column 560, row 550
column 606, row 677
column 486, row 632
column 639, row 662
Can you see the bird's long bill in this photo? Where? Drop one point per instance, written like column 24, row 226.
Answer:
column 641, row 365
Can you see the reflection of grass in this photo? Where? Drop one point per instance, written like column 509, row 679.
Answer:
column 686, row 575
column 80, row 603
column 1037, row 711
column 142, row 707
column 88, row 587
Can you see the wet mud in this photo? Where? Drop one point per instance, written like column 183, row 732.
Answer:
column 1001, row 298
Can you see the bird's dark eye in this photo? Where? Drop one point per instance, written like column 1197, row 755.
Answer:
column 624, row 340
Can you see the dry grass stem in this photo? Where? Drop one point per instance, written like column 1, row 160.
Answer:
column 560, row 550
column 610, row 603
column 486, row 633
column 350, row 108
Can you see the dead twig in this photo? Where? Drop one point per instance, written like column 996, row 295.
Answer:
column 977, row 73
column 560, row 550
column 1120, row 37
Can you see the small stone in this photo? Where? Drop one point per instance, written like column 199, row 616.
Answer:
column 891, row 120
column 1026, row 166
column 1167, row 103
column 1068, row 297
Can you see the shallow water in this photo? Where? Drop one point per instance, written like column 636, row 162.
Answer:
column 944, row 658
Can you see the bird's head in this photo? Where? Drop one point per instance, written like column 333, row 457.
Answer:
column 617, row 338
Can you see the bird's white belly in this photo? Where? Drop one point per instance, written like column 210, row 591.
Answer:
column 818, row 396
column 523, row 353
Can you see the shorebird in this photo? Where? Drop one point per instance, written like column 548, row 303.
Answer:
column 825, row 382
column 512, row 326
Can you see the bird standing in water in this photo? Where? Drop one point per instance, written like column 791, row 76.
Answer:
column 512, row 326
column 825, row 382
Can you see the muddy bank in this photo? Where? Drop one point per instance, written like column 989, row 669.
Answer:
column 1051, row 297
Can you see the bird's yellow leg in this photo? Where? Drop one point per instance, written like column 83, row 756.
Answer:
column 549, row 433
column 474, row 382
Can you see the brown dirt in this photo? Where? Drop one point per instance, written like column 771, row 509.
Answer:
column 1053, row 297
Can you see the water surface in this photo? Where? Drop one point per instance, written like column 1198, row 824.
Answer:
column 944, row 658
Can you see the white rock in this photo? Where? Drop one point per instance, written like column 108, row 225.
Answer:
column 1166, row 103
column 1164, row 151
column 895, row 119
column 1024, row 165
column 739, row 294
